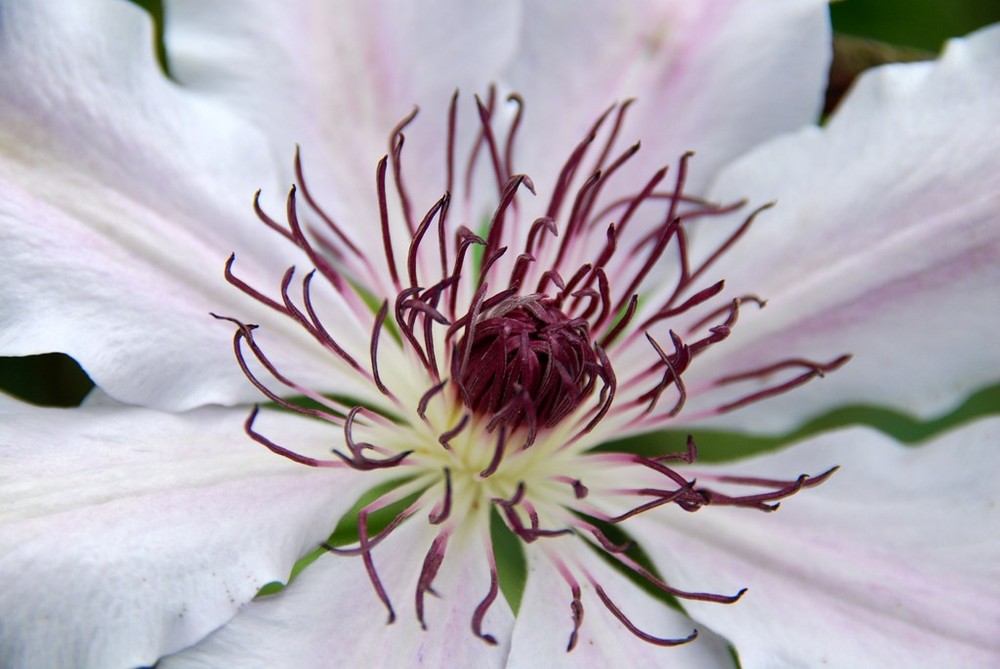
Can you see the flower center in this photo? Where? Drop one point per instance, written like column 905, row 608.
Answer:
column 489, row 384
column 525, row 362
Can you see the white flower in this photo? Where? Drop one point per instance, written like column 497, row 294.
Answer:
column 135, row 533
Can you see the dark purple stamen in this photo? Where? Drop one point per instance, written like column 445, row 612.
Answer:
column 528, row 533
column 484, row 606
column 649, row 638
column 576, row 610
column 432, row 563
column 443, row 510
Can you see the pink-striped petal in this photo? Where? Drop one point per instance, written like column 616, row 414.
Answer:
column 893, row 560
column 127, row 534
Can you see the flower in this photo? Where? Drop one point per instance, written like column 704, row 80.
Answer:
column 158, row 527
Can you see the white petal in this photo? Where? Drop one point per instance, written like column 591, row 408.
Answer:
column 715, row 77
column 884, row 242
column 337, row 77
column 330, row 70
column 331, row 614
column 544, row 625
column 122, row 196
column 133, row 534
column 131, row 299
column 891, row 562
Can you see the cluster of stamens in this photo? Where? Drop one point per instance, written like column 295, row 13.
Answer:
column 525, row 363
column 522, row 348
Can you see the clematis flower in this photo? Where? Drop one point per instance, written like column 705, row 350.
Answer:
column 475, row 299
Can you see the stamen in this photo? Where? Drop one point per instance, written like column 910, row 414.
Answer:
column 814, row 370
column 487, row 602
column 358, row 460
column 243, row 333
column 576, row 610
column 300, row 179
column 497, row 455
column 499, row 219
column 561, row 188
column 683, row 594
column 698, row 298
column 270, row 222
column 320, row 263
column 445, row 438
column 480, row 140
column 663, row 497
column 486, row 119
column 576, row 217
column 528, row 534
column 396, row 141
column 622, row 323
column 313, row 324
column 670, row 375
column 281, row 450
column 649, row 638
column 441, row 207
column 450, row 156
column 670, row 226
column 606, row 544
column 729, row 308
column 383, row 211
column 381, row 503
column 373, row 348
column 688, row 456
column 730, row 241
column 613, row 135
column 512, row 135
column 249, row 290
column 441, row 513
column 426, row 398
column 432, row 563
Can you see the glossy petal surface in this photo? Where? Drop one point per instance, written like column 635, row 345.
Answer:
column 133, row 534
column 331, row 614
column 116, row 217
column 893, row 560
column 884, row 243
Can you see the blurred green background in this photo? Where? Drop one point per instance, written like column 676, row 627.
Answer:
column 923, row 25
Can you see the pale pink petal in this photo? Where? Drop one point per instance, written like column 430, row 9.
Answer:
column 331, row 614
column 135, row 308
column 884, row 242
column 893, row 561
column 336, row 77
column 121, row 197
column 545, row 623
column 128, row 534
column 717, row 77
column 714, row 77
column 334, row 70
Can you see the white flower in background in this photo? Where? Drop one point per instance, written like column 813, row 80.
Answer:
column 476, row 333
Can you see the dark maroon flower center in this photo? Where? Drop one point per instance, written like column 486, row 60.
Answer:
column 527, row 363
